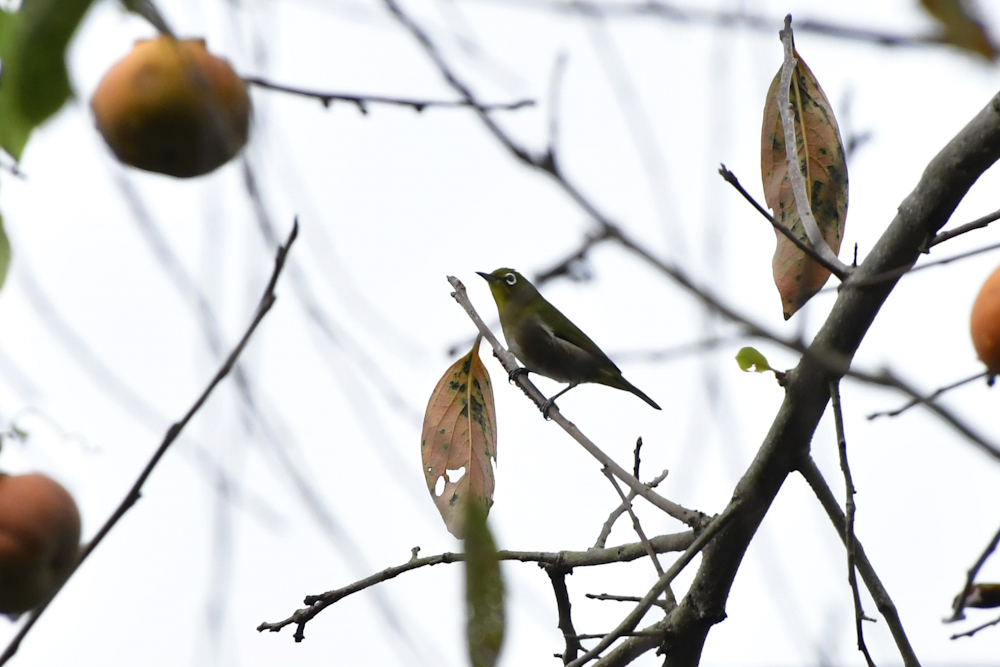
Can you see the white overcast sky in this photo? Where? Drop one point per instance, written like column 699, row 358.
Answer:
column 389, row 204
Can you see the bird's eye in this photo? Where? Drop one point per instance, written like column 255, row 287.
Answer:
column 511, row 279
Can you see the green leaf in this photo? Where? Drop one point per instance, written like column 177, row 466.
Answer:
column 34, row 83
column 750, row 360
column 4, row 253
column 484, row 609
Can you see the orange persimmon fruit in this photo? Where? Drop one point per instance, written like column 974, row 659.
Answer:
column 173, row 108
column 984, row 323
column 39, row 539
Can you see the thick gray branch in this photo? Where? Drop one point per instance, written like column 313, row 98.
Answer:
column 944, row 183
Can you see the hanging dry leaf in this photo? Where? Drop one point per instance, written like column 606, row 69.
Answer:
column 459, row 441
column 961, row 27
column 822, row 161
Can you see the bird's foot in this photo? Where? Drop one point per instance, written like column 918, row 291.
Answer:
column 514, row 374
column 546, row 406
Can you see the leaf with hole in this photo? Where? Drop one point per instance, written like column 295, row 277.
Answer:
column 824, row 166
column 459, row 441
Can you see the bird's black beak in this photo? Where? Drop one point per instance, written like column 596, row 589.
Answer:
column 488, row 276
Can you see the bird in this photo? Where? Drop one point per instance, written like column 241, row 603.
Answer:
column 546, row 342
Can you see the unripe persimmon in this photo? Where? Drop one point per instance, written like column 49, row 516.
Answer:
column 39, row 539
column 171, row 107
column 985, row 323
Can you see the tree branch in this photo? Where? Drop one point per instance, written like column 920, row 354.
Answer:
column 818, row 257
column 960, row 601
column 874, row 585
column 558, row 578
column 849, row 539
column 362, row 101
column 267, row 300
column 558, row 559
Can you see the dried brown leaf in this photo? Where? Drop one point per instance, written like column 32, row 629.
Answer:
column 961, row 27
column 822, row 161
column 459, row 441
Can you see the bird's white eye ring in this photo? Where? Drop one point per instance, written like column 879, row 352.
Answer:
column 511, row 279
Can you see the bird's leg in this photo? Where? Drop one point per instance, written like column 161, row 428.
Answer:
column 552, row 401
column 513, row 375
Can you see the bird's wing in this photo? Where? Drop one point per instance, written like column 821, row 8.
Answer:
column 564, row 330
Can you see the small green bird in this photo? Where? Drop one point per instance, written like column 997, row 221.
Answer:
column 546, row 342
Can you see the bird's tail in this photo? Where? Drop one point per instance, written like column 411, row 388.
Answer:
column 622, row 383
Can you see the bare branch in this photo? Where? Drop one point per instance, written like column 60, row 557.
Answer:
column 558, row 559
column 625, row 598
column 362, row 101
column 962, row 229
column 920, row 400
column 969, row 633
column 818, row 257
column 739, row 19
column 635, row 522
column 558, row 579
column 849, row 539
column 267, row 300
column 629, row 622
column 963, row 597
column 618, row 511
column 814, row 477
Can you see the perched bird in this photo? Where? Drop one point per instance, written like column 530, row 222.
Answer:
column 546, row 342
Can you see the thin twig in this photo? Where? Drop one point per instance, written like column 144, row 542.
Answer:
column 807, row 468
column 797, row 180
column 362, row 101
column 967, row 227
column 557, row 576
column 738, row 19
column 970, row 578
column 637, row 633
column 925, row 399
column 892, row 274
column 635, row 521
column 969, row 633
column 628, row 624
column 693, row 518
column 849, row 539
column 267, row 300
column 625, row 598
column 808, row 249
column 636, row 460
column 888, row 379
column 618, row 511
column 560, row 559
